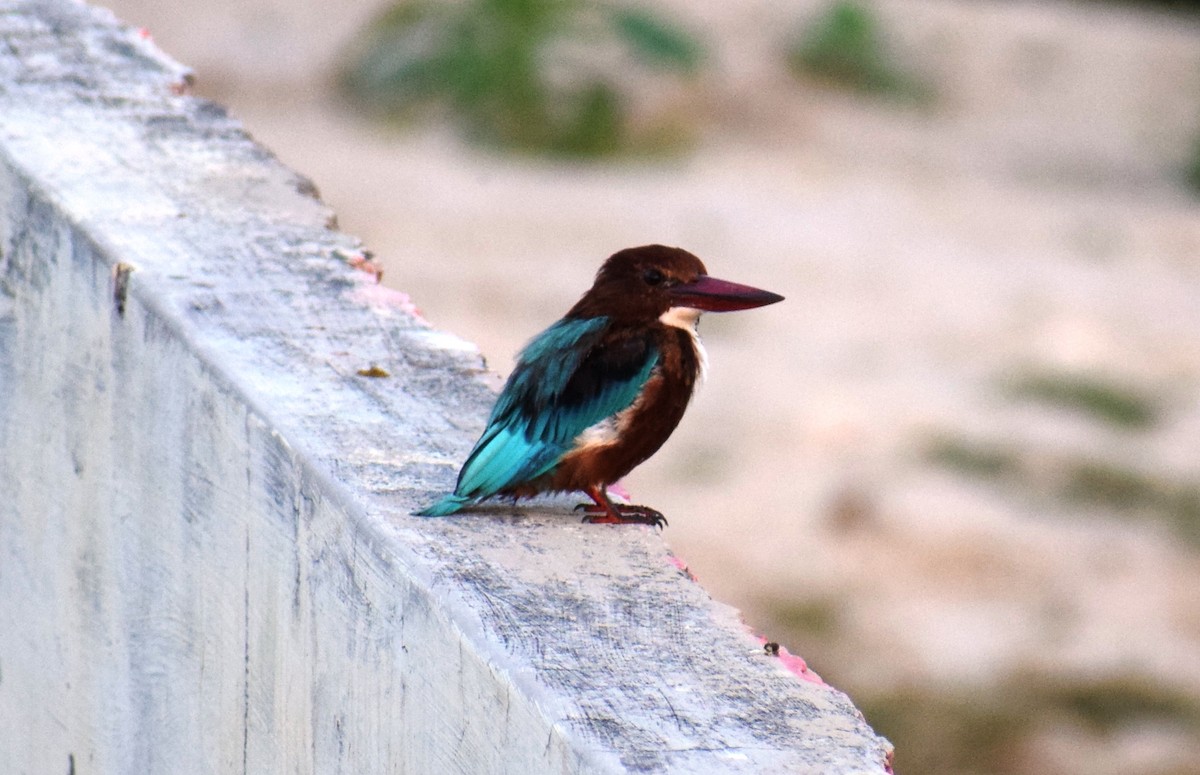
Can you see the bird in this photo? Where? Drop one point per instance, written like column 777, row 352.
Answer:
column 598, row 392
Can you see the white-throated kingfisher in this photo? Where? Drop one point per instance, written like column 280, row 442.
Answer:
column 598, row 392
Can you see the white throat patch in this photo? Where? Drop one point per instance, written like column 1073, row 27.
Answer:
column 681, row 317
column 686, row 318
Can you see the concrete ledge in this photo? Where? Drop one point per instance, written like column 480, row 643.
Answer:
column 206, row 558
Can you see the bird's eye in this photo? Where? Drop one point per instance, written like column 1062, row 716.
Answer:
column 653, row 277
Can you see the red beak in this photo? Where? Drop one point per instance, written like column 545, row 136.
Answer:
column 713, row 295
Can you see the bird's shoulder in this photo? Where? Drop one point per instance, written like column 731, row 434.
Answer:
column 589, row 363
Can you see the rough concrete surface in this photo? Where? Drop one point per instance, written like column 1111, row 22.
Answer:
column 206, row 558
column 1029, row 218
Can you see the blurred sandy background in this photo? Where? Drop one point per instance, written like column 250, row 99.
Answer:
column 889, row 472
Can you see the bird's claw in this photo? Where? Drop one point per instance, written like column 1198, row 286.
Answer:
column 622, row 514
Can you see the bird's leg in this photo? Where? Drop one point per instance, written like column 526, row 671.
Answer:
column 605, row 512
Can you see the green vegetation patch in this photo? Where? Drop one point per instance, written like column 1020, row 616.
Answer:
column 949, row 733
column 846, row 45
column 1191, row 167
column 1102, row 398
column 807, row 618
column 981, row 459
column 1109, row 703
column 1097, row 482
column 952, row 730
column 942, row 733
column 542, row 76
column 1075, row 480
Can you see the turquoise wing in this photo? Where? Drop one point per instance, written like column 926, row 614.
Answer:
column 570, row 377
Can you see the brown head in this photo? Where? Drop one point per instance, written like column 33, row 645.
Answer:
column 640, row 284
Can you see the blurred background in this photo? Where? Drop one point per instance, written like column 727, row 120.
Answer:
column 958, row 469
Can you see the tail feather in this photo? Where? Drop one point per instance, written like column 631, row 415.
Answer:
column 447, row 505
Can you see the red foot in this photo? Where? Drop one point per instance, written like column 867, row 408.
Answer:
column 604, row 512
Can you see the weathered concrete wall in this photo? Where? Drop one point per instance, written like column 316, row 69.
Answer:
column 206, row 558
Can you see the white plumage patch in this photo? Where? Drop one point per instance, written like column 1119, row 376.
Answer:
column 686, row 318
column 604, row 432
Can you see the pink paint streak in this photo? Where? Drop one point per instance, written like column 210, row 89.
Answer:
column 681, row 565
column 382, row 297
column 619, row 490
column 795, row 664
column 365, row 263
